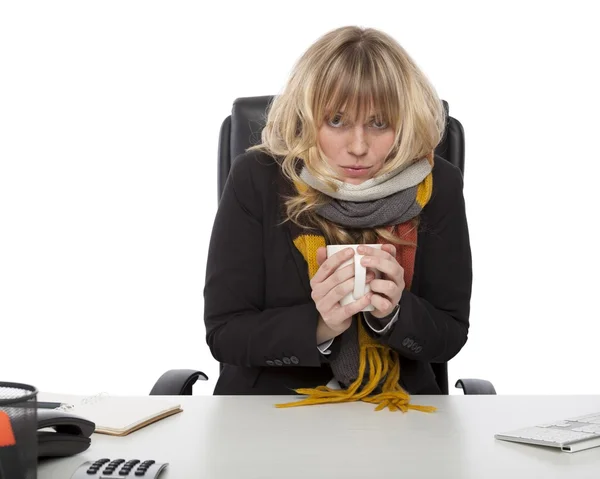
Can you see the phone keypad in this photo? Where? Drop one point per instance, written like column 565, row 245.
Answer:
column 106, row 468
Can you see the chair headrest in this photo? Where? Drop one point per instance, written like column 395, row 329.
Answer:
column 248, row 118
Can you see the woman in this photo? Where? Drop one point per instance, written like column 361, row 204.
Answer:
column 347, row 157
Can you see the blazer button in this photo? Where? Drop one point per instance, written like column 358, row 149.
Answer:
column 270, row 363
column 287, row 361
column 278, row 362
column 294, row 360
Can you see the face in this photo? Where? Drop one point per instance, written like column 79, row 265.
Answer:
column 355, row 149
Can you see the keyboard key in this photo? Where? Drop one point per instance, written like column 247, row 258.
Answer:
column 555, row 424
column 558, row 436
column 592, row 428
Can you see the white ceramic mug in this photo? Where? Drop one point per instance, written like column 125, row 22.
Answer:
column 360, row 273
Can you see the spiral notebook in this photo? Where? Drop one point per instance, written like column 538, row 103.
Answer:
column 122, row 415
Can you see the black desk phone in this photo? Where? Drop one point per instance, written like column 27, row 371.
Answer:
column 61, row 434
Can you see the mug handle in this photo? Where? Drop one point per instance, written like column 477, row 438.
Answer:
column 360, row 277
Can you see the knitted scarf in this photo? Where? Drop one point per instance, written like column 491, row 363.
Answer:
column 368, row 370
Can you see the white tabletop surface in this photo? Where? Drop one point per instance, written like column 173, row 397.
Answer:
column 244, row 437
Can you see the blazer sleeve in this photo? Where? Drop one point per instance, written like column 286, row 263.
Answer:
column 240, row 329
column 433, row 325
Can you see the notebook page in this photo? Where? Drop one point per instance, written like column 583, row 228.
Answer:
column 121, row 413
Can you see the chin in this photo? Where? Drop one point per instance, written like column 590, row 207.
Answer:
column 355, row 181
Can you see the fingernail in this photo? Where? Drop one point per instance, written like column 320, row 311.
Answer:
column 362, row 249
column 349, row 252
column 366, row 260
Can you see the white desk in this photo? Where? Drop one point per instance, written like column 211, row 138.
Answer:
column 246, row 437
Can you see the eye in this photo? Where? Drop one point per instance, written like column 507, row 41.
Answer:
column 336, row 121
column 379, row 124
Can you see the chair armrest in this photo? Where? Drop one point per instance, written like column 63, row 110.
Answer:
column 177, row 382
column 475, row 386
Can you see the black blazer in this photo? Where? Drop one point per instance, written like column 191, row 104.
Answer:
column 260, row 319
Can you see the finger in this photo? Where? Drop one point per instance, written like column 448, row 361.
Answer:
column 330, row 265
column 387, row 251
column 334, row 295
column 336, row 278
column 383, row 306
column 321, row 255
column 389, row 267
column 387, row 288
column 340, row 314
column 389, row 248
column 342, row 275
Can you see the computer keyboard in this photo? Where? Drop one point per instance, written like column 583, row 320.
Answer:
column 569, row 435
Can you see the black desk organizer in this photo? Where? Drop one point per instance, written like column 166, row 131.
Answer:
column 18, row 431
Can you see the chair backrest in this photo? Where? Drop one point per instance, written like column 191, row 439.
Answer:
column 243, row 127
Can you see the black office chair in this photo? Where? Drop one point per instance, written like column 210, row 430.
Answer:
column 241, row 130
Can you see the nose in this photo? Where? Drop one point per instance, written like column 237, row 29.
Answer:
column 357, row 143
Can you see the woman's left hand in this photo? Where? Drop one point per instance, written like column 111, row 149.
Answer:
column 389, row 287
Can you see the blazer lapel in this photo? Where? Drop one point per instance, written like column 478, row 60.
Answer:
column 285, row 189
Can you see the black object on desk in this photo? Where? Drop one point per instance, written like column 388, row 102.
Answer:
column 18, row 427
column 132, row 468
column 61, row 434
column 48, row 405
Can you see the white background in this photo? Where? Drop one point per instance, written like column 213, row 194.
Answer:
column 109, row 120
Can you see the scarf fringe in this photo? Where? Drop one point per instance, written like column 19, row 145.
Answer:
column 392, row 396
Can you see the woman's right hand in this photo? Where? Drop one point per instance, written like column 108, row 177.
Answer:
column 329, row 285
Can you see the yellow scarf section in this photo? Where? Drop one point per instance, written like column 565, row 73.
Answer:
column 383, row 361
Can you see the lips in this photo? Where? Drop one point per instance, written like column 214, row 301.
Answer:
column 356, row 171
column 356, row 168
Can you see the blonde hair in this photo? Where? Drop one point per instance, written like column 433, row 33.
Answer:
column 350, row 69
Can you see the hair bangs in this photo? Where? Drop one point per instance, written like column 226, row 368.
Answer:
column 356, row 85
